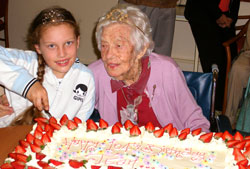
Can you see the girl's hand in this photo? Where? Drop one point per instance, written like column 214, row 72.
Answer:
column 5, row 109
column 37, row 94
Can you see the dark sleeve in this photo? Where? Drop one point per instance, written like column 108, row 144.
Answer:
column 203, row 8
column 234, row 10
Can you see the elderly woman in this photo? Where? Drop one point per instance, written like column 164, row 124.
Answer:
column 134, row 83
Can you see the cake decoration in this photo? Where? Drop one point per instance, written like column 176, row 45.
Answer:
column 64, row 143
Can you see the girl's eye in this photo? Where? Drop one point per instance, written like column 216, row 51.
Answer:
column 51, row 46
column 69, row 43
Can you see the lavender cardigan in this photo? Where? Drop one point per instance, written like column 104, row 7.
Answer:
column 171, row 99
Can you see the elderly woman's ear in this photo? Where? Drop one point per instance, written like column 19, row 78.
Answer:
column 142, row 52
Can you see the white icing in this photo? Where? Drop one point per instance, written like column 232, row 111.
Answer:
column 99, row 148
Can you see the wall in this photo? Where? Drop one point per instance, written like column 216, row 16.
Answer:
column 86, row 12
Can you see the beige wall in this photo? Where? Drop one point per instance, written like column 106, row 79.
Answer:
column 21, row 12
column 86, row 12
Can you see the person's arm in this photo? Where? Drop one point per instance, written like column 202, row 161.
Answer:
column 234, row 10
column 17, row 73
column 5, row 108
column 213, row 9
column 188, row 111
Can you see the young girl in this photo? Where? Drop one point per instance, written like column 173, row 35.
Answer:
column 54, row 35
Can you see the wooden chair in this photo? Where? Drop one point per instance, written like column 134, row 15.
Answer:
column 239, row 39
column 4, row 21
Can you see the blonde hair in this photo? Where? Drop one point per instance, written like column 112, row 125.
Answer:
column 47, row 17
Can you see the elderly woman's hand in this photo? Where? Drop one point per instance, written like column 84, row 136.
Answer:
column 5, row 109
column 37, row 94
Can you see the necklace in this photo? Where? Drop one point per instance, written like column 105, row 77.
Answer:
column 131, row 112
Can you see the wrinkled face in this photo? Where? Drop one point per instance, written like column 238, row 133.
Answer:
column 58, row 45
column 117, row 50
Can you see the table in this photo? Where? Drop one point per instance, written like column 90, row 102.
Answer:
column 9, row 137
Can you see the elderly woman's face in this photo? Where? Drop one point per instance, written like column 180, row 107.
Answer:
column 117, row 50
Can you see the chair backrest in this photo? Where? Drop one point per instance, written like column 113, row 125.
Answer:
column 4, row 21
column 200, row 85
column 239, row 39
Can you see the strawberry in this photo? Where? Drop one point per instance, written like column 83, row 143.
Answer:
column 35, row 148
column 91, row 126
column 20, row 149
column 103, row 124
column 24, row 144
column 42, row 119
column 38, row 134
column 187, row 130
column 118, row 124
column 95, row 167
column 227, row 136
column 159, row 133
column 40, row 156
column 30, row 138
column 45, row 139
column 240, row 145
column 39, row 128
column 41, row 125
column 38, row 142
column 231, row 143
column 135, row 131
column 64, row 120
column 50, row 132
column 72, row 125
column 206, row 138
column 183, row 136
column 173, row 132
column 218, row 135
column 18, row 164
column 238, row 156
column 247, row 137
column 168, row 128
column 247, row 142
column 128, row 124
column 242, row 166
column 48, row 127
column 242, row 162
column 31, row 167
column 42, row 164
column 56, row 126
column 55, row 162
column 115, row 129
column 90, row 120
column 20, row 157
column 150, row 127
column 77, row 164
column 247, row 153
column 77, row 120
column 52, row 120
column 238, row 136
column 196, row 132
column 6, row 166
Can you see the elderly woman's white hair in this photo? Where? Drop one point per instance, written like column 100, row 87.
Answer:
column 141, row 35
